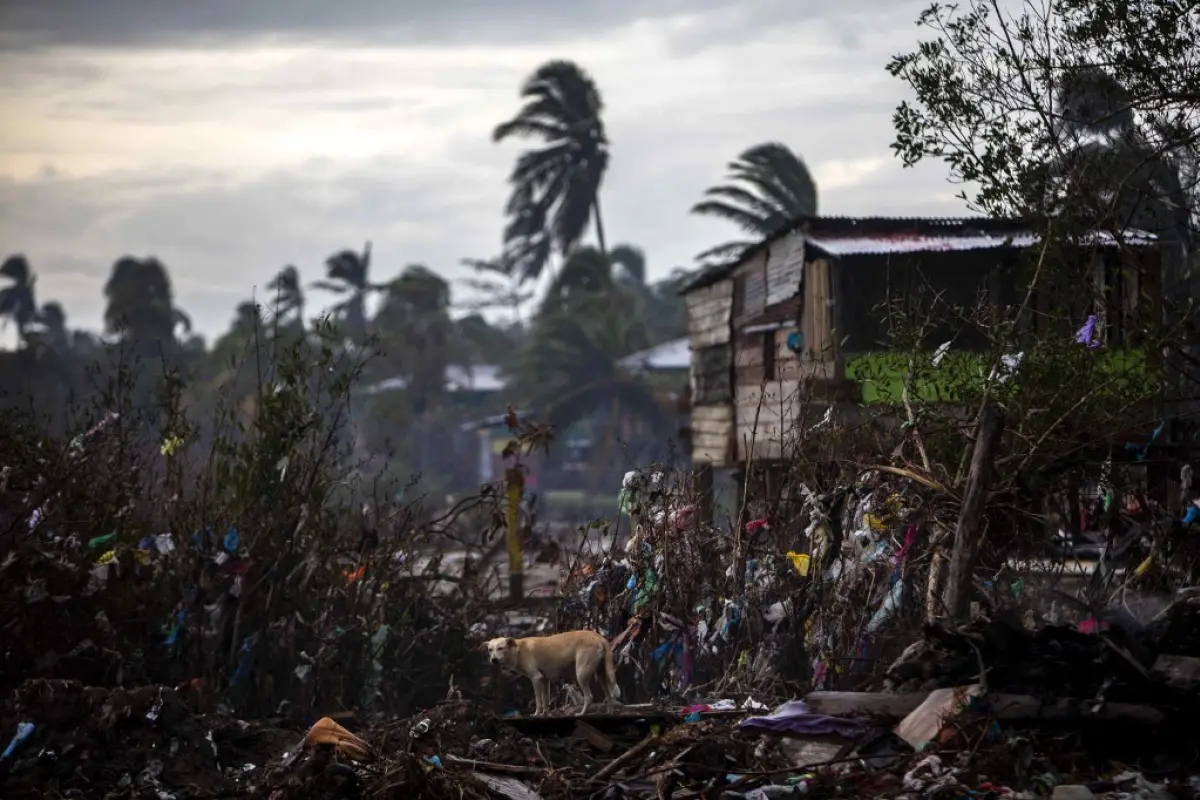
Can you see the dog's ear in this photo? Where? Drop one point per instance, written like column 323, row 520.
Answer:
column 510, row 642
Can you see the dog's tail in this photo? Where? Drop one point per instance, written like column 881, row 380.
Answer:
column 610, row 673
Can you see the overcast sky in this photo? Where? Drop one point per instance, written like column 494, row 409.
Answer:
column 230, row 138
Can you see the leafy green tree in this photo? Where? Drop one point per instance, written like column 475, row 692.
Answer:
column 349, row 274
column 17, row 300
column 1075, row 113
column 1056, row 113
column 556, row 187
column 767, row 188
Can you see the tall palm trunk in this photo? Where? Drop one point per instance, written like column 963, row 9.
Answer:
column 599, row 225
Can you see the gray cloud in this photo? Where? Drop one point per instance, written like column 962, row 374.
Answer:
column 437, row 196
column 147, row 22
column 122, row 23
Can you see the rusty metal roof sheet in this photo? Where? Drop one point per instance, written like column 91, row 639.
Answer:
column 919, row 242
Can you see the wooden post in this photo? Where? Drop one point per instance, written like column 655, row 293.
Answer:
column 514, row 487
column 968, row 534
column 738, row 476
column 704, row 493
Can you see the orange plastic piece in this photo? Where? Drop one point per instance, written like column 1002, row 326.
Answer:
column 326, row 731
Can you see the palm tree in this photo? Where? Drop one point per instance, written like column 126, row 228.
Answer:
column 620, row 278
column 768, row 188
column 53, row 320
column 527, row 241
column 349, row 274
column 570, row 369
column 16, row 300
column 477, row 341
column 586, row 271
column 499, row 285
column 632, row 263
column 247, row 323
column 288, row 295
column 415, row 332
column 666, row 311
column 141, row 304
column 556, row 188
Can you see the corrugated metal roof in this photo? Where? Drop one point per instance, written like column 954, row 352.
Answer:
column 839, row 236
column 909, row 242
column 822, row 226
column 476, row 378
column 912, row 243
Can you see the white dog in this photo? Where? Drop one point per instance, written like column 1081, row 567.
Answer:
column 578, row 656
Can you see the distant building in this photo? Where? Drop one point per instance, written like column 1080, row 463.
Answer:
column 670, row 356
column 476, row 378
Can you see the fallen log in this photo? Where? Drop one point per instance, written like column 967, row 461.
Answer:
column 1012, row 707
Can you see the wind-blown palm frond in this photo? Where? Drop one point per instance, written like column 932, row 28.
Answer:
column 499, row 285
column 1119, row 172
column 349, row 273
column 555, row 188
column 590, row 276
column 574, row 343
column 527, row 242
column 629, row 394
column 570, row 367
column 631, row 260
column 768, row 187
column 586, row 271
column 724, row 253
column 17, row 300
column 16, row 269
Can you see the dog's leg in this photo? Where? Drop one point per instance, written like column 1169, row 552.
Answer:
column 585, row 686
column 573, row 696
column 540, row 690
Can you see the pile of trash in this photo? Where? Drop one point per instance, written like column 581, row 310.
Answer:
column 1107, row 656
column 992, row 710
column 70, row 740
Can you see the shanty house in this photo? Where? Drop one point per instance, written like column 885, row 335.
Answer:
column 798, row 320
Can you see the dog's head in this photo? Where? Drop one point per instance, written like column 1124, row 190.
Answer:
column 502, row 650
